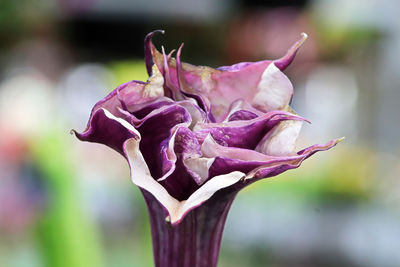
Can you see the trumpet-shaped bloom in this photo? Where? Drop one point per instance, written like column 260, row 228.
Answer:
column 194, row 136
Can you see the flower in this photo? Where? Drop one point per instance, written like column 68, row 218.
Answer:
column 194, row 136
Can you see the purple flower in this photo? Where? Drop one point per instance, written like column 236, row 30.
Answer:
column 193, row 137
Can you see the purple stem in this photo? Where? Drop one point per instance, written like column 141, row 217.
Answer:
column 195, row 241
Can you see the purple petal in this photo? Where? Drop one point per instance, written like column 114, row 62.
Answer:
column 242, row 115
column 242, row 110
column 135, row 95
column 268, row 171
column 281, row 63
column 176, row 210
column 285, row 61
column 141, row 111
column 259, row 82
column 148, row 46
column 255, row 164
column 156, row 130
column 181, row 184
column 106, row 129
column 244, row 134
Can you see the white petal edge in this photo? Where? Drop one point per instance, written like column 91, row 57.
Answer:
column 123, row 122
column 140, row 175
column 199, row 166
column 274, row 90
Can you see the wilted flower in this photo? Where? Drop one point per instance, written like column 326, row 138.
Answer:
column 193, row 137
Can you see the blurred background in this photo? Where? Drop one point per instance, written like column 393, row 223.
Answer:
column 67, row 203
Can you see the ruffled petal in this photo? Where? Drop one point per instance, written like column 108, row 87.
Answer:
column 183, row 181
column 216, row 88
column 274, row 91
column 157, row 129
column 243, row 134
column 255, row 164
column 281, row 140
column 242, row 110
column 134, row 95
column 265, row 171
column 148, row 47
column 106, row 129
column 176, row 210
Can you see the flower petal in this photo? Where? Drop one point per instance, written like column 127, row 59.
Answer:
column 141, row 176
column 148, row 46
column 274, row 91
column 216, row 88
column 133, row 95
column 184, row 180
column 157, row 129
column 244, row 134
column 281, row 140
column 268, row 170
column 255, row 164
column 106, row 129
column 229, row 159
column 241, row 110
column 205, row 192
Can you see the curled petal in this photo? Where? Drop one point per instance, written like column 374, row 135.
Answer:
column 148, row 46
column 229, row 159
column 106, row 129
column 281, row 140
column 274, row 91
column 268, row 170
column 255, row 164
column 282, row 63
column 285, row 61
column 157, row 129
column 189, row 152
column 244, row 134
column 183, row 181
column 196, row 113
column 142, row 110
column 211, row 149
column 241, row 110
column 134, row 95
column 216, row 88
column 112, row 102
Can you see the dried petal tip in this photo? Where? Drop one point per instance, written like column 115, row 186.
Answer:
column 285, row 61
column 340, row 139
column 147, row 50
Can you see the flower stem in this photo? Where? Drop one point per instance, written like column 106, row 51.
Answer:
column 195, row 241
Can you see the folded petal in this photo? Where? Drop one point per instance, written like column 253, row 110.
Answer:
column 157, row 129
column 148, row 47
column 229, row 159
column 255, row 164
column 134, row 95
column 106, row 129
column 281, row 140
column 242, row 110
column 274, row 91
column 244, row 134
column 182, row 182
column 275, row 169
column 176, row 210
column 218, row 87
